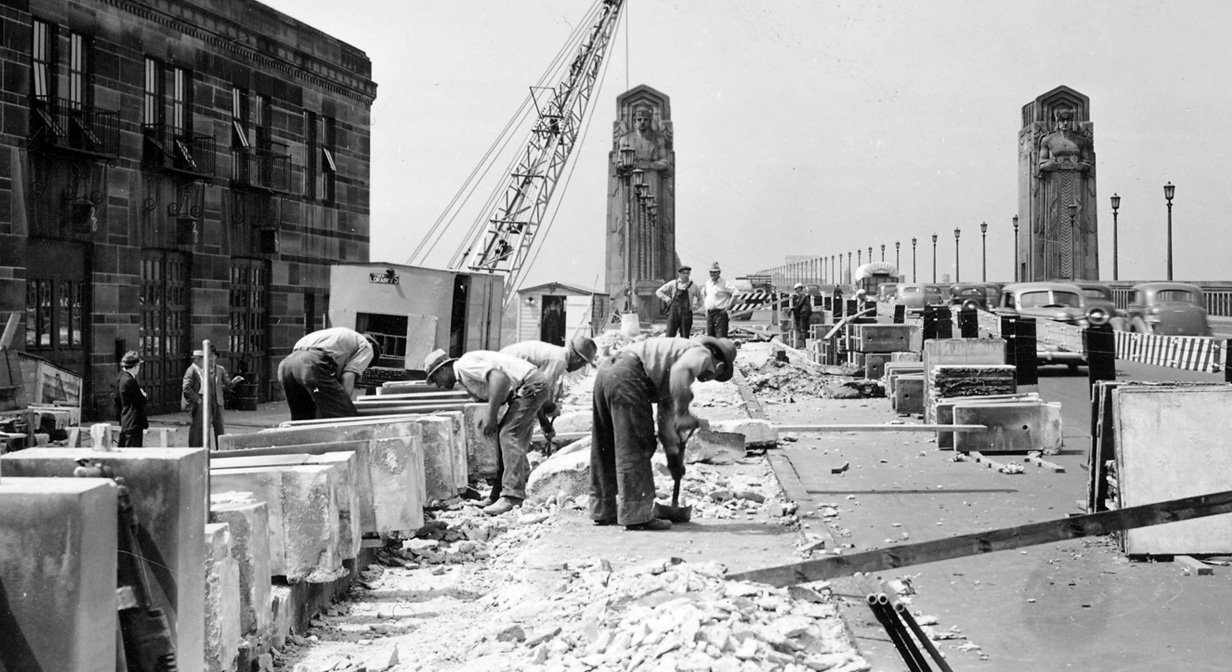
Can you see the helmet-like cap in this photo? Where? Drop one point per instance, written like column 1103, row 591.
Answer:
column 435, row 360
column 725, row 350
column 585, row 347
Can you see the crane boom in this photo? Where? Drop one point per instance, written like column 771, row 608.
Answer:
column 504, row 244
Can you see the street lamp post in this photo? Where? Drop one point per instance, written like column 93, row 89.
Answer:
column 860, row 257
column 1073, row 243
column 957, row 274
column 849, row 263
column 870, row 254
column 1169, row 191
column 1116, row 203
column 934, row 257
column 1016, row 278
column 913, row 276
column 983, row 251
column 897, row 264
column 882, row 252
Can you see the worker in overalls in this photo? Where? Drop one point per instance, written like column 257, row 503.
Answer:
column 682, row 296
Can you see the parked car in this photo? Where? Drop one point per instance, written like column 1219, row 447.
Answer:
column 886, row 291
column 1056, row 301
column 914, row 296
column 985, row 294
column 1168, row 308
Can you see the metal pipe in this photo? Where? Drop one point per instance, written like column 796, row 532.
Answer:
column 896, row 633
column 905, row 614
column 883, row 603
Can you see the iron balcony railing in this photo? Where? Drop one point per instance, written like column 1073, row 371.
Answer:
column 75, row 128
column 167, row 148
column 268, row 169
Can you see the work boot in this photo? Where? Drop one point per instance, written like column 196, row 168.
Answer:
column 502, row 505
column 652, row 525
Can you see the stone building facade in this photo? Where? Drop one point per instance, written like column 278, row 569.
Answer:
column 173, row 171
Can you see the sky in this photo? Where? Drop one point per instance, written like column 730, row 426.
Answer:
column 805, row 127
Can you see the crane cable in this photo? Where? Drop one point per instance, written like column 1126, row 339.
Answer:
column 498, row 145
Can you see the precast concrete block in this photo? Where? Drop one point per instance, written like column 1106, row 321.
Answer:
column 167, row 487
column 280, row 611
column 909, row 394
column 1051, row 429
column 874, row 364
column 945, row 412
column 248, row 522
column 574, row 421
column 458, row 450
column 222, row 600
column 390, row 463
column 960, row 351
column 304, row 530
column 58, row 573
column 438, row 451
column 757, row 433
column 481, row 451
column 884, row 337
column 714, row 447
column 1012, row 427
column 346, row 495
column 905, row 356
column 949, row 381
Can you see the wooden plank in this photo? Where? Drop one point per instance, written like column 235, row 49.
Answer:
column 1194, row 565
column 822, row 429
column 1034, row 458
column 1003, row 539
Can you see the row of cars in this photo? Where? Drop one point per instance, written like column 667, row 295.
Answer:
column 1165, row 308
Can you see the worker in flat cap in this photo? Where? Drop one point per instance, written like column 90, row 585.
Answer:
column 657, row 371
column 129, row 402
column 507, row 382
column 717, row 299
column 191, row 399
column 801, row 313
column 682, row 296
column 320, row 374
column 554, row 361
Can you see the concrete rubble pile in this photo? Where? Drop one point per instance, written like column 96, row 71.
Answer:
column 669, row 615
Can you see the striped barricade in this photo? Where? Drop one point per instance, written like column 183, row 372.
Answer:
column 1191, row 353
column 759, row 300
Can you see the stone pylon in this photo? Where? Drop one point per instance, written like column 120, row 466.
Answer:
column 1056, row 170
column 641, row 220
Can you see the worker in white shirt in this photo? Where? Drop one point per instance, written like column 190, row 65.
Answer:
column 717, row 295
column 320, row 374
column 554, row 361
column 682, row 297
column 501, row 380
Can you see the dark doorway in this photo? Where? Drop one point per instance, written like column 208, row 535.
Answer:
column 58, row 306
column 457, row 316
column 552, row 324
column 248, row 338
column 165, row 318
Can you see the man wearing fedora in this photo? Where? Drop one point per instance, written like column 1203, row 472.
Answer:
column 718, row 294
column 129, row 402
column 320, row 374
column 801, row 312
column 554, row 361
column 682, row 297
column 657, row 371
column 191, row 401
column 503, row 381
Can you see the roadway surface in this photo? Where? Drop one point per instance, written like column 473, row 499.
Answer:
column 1072, row 605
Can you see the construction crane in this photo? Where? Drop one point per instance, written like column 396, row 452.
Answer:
column 502, row 238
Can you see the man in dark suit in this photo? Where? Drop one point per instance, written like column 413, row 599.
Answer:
column 129, row 400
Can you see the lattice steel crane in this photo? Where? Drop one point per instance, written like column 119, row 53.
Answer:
column 504, row 242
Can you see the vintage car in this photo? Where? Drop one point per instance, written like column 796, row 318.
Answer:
column 886, row 291
column 1056, row 301
column 984, row 294
column 1167, row 308
column 914, row 296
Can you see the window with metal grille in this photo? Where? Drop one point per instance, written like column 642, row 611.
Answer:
column 42, row 61
column 79, row 70
column 310, row 143
column 239, row 117
column 152, row 107
column 329, row 170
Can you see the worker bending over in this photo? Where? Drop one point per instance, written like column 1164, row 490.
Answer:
column 319, row 375
column 658, row 371
column 554, row 361
column 500, row 380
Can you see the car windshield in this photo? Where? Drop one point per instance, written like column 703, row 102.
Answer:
column 1176, row 295
column 1049, row 298
column 1097, row 293
column 911, row 290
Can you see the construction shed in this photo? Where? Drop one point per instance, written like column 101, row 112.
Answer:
column 555, row 312
column 413, row 310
